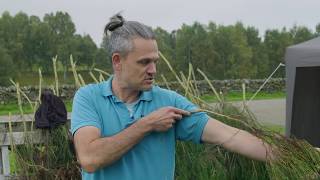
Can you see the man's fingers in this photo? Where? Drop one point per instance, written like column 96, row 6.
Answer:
column 169, row 126
column 181, row 111
column 177, row 116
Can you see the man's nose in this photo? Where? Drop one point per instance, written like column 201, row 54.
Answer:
column 152, row 69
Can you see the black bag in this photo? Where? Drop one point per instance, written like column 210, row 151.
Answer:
column 51, row 113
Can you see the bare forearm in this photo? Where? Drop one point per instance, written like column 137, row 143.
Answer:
column 236, row 140
column 248, row 145
column 104, row 151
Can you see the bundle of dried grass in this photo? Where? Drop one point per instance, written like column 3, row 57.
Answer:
column 295, row 159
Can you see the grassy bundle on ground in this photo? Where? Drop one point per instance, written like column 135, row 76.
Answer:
column 296, row 159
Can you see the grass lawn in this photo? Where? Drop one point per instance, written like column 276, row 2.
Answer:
column 14, row 108
column 12, row 160
column 275, row 128
column 237, row 96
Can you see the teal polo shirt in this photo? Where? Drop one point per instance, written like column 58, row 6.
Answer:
column 153, row 158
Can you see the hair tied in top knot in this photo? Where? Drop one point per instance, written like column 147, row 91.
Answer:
column 115, row 22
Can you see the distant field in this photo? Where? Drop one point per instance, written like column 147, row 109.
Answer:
column 237, row 96
column 14, row 109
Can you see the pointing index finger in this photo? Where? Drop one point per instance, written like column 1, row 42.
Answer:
column 181, row 111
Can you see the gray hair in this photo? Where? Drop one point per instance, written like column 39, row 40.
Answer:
column 123, row 32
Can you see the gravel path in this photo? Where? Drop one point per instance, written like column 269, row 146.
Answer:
column 271, row 111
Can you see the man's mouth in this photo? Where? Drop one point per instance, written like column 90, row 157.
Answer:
column 149, row 80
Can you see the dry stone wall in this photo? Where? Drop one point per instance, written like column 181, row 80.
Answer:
column 8, row 94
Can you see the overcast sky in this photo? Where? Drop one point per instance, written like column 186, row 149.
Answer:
column 90, row 17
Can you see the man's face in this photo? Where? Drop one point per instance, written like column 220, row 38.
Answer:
column 138, row 69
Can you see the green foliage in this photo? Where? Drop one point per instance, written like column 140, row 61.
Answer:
column 53, row 159
column 300, row 34
column 275, row 43
column 14, row 108
column 7, row 68
column 32, row 42
column 193, row 46
column 238, row 96
column 166, row 43
column 318, row 29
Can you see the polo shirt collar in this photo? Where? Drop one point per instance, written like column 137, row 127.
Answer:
column 107, row 87
column 107, row 91
column 146, row 95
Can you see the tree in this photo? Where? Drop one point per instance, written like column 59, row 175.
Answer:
column 103, row 56
column 166, row 44
column 241, row 59
column 84, row 50
column 235, row 55
column 193, row 46
column 318, row 28
column 259, row 58
column 7, row 68
column 276, row 42
column 62, row 30
column 300, row 34
column 103, row 60
column 13, row 34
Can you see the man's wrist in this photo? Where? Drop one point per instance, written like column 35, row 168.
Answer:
column 143, row 125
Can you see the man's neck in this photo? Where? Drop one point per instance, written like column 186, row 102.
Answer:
column 124, row 94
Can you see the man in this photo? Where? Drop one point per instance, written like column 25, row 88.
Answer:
column 125, row 128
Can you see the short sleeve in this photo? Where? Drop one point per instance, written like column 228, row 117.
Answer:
column 189, row 128
column 84, row 112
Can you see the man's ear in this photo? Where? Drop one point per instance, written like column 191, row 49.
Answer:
column 116, row 61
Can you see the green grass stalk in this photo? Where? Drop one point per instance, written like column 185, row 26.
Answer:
column 101, row 78
column 210, row 84
column 40, row 85
column 165, row 81
column 93, row 77
column 54, row 61
column 101, row 71
column 82, row 83
column 74, row 71
column 171, row 69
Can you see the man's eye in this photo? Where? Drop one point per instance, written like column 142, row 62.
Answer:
column 147, row 61
column 144, row 62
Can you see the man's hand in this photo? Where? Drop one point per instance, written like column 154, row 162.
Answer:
column 163, row 119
